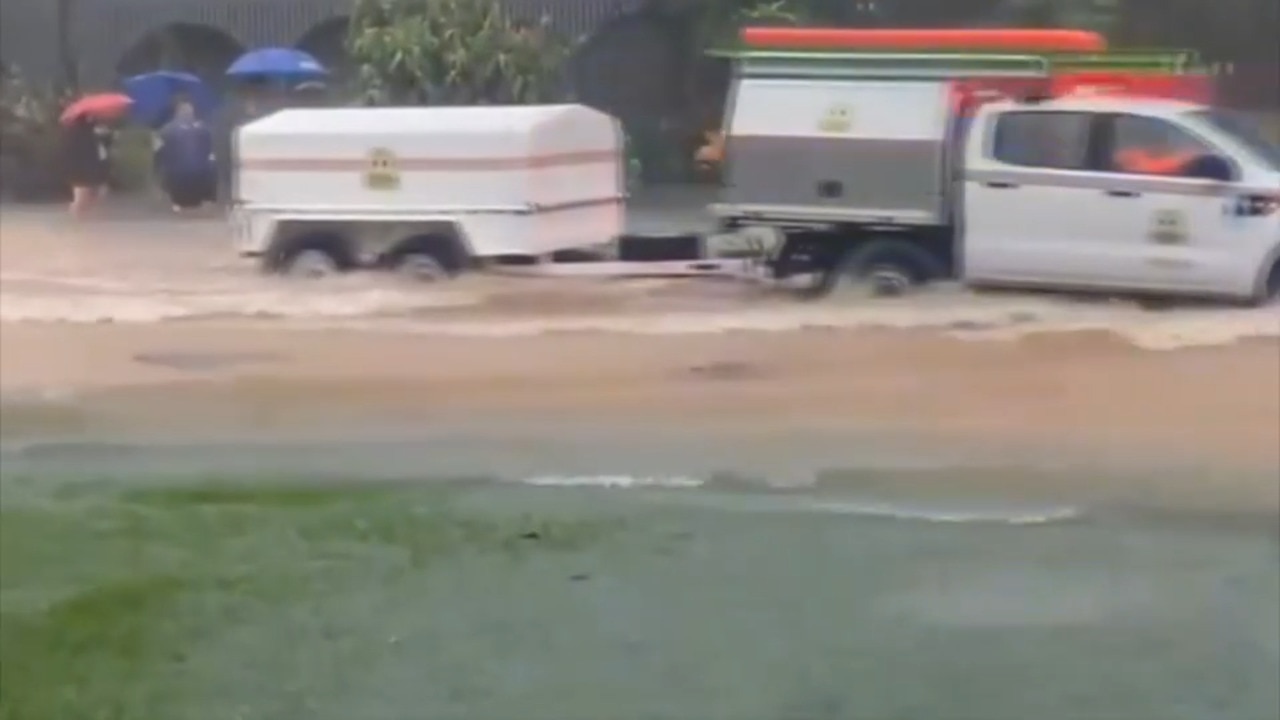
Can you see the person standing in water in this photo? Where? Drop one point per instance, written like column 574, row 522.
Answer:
column 250, row 105
column 185, row 158
column 86, row 149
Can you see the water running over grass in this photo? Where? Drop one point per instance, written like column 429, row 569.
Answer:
column 374, row 600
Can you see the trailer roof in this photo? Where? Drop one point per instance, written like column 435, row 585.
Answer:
column 477, row 120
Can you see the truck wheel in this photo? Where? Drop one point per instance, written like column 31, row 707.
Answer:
column 1271, row 288
column 888, row 268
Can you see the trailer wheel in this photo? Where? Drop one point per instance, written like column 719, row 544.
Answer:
column 888, row 268
column 311, row 263
column 310, row 257
column 424, row 258
column 420, row 267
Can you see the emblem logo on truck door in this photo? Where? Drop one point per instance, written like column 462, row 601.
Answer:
column 383, row 172
column 1168, row 227
column 837, row 119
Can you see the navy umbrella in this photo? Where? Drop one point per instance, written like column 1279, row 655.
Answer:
column 277, row 64
column 153, row 95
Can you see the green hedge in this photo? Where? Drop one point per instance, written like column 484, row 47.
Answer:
column 131, row 160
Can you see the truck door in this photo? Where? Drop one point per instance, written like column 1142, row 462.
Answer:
column 1178, row 227
column 1032, row 211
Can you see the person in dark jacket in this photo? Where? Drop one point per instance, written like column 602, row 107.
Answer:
column 185, row 158
column 251, row 105
column 86, row 147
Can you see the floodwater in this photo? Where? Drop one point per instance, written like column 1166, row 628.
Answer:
column 710, row 599
column 135, row 267
column 754, row 594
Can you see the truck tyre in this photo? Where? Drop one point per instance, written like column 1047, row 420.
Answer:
column 888, row 267
column 425, row 258
column 310, row 256
column 1271, row 286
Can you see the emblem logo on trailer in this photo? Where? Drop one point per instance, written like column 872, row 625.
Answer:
column 837, row 119
column 383, row 172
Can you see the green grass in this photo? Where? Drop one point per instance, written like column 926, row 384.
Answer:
column 125, row 605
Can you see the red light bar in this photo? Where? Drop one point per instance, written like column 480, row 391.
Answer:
column 1189, row 87
column 995, row 40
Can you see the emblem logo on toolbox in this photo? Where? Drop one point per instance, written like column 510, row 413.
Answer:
column 837, row 119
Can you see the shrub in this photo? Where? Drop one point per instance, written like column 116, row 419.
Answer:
column 29, row 138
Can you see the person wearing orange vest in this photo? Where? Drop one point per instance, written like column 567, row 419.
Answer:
column 1148, row 162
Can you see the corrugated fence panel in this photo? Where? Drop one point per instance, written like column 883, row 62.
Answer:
column 29, row 37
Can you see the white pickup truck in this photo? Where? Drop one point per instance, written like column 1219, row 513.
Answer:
column 867, row 170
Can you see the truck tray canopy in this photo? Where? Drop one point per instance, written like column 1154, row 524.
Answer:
column 869, row 136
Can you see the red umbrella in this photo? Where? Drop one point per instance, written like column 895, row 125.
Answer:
column 102, row 106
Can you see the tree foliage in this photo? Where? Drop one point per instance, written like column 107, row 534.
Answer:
column 1099, row 15
column 717, row 22
column 454, row 52
column 29, row 136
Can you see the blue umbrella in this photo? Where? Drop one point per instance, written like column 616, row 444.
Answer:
column 277, row 63
column 153, row 94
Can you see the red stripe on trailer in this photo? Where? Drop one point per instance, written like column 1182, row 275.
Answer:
column 1009, row 40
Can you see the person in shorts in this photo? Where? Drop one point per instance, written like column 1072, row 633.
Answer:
column 86, row 146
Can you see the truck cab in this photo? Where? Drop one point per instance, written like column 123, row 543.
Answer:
column 1122, row 194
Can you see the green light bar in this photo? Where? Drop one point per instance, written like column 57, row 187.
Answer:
column 1166, row 62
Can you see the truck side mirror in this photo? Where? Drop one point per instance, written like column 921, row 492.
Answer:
column 1209, row 167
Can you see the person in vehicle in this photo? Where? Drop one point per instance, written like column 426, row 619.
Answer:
column 1158, row 154
column 185, row 158
column 1146, row 162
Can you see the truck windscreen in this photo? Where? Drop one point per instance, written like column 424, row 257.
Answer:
column 1244, row 131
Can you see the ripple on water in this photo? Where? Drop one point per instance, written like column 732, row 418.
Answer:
column 340, row 303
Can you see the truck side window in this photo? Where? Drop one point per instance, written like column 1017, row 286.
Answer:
column 1055, row 140
column 1152, row 146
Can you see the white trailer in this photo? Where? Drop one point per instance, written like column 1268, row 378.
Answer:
column 866, row 168
column 428, row 191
